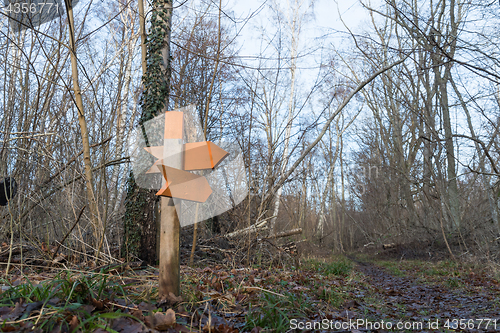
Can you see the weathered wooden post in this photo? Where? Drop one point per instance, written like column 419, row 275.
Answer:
column 175, row 159
column 169, row 279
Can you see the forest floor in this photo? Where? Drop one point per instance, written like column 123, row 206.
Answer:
column 353, row 293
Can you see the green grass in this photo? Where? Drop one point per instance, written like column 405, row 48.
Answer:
column 65, row 285
column 63, row 297
column 274, row 312
column 339, row 267
column 422, row 269
column 453, row 282
column 332, row 296
column 393, row 267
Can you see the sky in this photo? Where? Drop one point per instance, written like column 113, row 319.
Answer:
column 325, row 20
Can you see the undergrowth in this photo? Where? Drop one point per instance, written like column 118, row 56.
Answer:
column 51, row 304
column 339, row 267
column 274, row 311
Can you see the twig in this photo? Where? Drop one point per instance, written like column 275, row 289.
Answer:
column 262, row 289
column 79, row 252
column 69, row 231
column 57, row 188
column 123, row 306
column 16, row 249
column 74, row 159
column 26, row 319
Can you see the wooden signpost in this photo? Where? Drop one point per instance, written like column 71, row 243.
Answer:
column 175, row 159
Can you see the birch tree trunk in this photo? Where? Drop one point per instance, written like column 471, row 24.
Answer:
column 205, row 123
column 122, row 122
column 294, row 29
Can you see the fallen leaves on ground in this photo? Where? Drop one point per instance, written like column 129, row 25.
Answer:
column 222, row 299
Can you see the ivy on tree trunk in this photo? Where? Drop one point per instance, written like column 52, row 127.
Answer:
column 140, row 222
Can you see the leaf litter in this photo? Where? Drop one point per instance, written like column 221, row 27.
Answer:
column 229, row 299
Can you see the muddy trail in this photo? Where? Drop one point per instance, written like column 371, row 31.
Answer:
column 425, row 297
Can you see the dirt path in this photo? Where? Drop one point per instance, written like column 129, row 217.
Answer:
column 443, row 302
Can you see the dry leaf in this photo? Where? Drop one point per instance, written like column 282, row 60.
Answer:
column 350, row 304
column 126, row 325
column 99, row 305
column 59, row 258
column 174, row 299
column 223, row 328
column 138, row 314
column 169, row 300
column 163, row 321
column 73, row 324
column 17, row 311
column 181, row 328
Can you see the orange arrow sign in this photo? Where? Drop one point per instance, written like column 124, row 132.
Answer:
column 203, row 155
column 184, row 185
column 197, row 156
column 156, row 151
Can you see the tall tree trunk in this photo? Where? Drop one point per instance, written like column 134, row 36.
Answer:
column 450, row 153
column 428, row 129
column 121, row 125
column 205, row 123
column 329, row 186
column 141, row 222
column 291, row 106
column 94, row 214
column 142, row 31
column 485, row 178
column 442, row 87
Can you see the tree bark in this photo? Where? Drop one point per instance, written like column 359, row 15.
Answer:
column 94, row 214
column 453, row 197
column 484, row 177
column 294, row 29
column 142, row 30
column 121, row 125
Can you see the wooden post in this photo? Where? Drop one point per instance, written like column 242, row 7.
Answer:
column 169, row 279
column 169, row 249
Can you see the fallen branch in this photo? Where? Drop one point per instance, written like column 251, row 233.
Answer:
column 285, row 233
column 211, row 248
column 258, row 226
column 388, row 246
column 16, row 249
